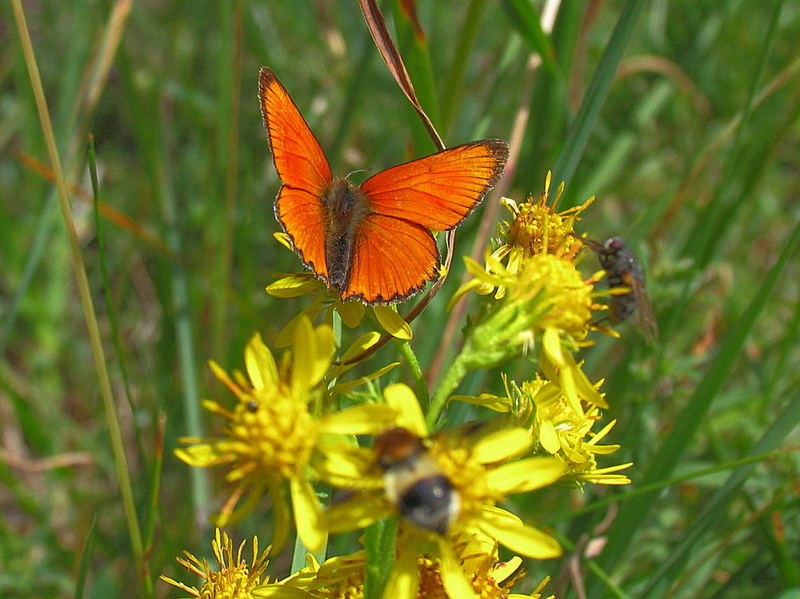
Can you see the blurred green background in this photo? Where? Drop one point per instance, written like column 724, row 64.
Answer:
column 680, row 115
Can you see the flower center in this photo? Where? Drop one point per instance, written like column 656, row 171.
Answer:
column 568, row 296
column 274, row 433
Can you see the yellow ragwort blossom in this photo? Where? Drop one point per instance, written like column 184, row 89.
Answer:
column 481, row 472
column 535, row 229
column 276, row 427
column 477, row 564
column 236, row 578
column 557, row 428
column 536, row 267
column 326, row 302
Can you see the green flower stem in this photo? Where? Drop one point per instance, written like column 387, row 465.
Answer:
column 109, row 405
column 379, row 544
column 499, row 336
column 416, row 372
column 452, row 378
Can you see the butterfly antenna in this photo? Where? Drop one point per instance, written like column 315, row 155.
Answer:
column 358, row 170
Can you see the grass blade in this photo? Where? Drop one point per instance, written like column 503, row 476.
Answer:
column 528, row 24
column 450, row 91
column 83, row 567
column 688, row 422
column 595, row 97
column 109, row 406
column 228, row 142
column 712, row 514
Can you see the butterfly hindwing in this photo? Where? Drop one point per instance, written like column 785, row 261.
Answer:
column 302, row 217
column 393, row 259
column 440, row 190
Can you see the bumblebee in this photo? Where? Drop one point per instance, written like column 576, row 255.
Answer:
column 623, row 269
column 414, row 482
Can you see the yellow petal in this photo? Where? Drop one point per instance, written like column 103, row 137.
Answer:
column 524, row 475
column 349, row 467
column 279, row 591
column 584, row 387
column 487, row 400
column 392, row 322
column 402, row 399
column 352, row 312
column 357, row 512
column 326, row 347
column 307, row 514
column 293, row 286
column 283, row 239
column 551, row 342
column 480, row 273
column 360, row 345
column 455, row 583
column 598, row 436
column 465, row 288
column 548, row 437
column 232, row 511
column 403, row 581
column 360, row 420
column 509, row 531
column 202, row 456
column 286, row 335
column 313, row 350
column 345, row 387
column 505, row 569
column 260, row 364
column 501, row 445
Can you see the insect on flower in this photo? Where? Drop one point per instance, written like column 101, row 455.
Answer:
column 414, row 482
column 623, row 269
column 371, row 242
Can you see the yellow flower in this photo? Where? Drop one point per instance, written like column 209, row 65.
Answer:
column 236, row 579
column 275, row 428
column 557, row 428
column 326, row 302
column 536, row 229
column 477, row 567
column 481, row 475
column 545, row 298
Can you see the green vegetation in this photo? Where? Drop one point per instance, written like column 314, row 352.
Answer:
column 683, row 118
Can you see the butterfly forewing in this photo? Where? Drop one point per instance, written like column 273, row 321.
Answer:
column 298, row 157
column 440, row 190
column 302, row 168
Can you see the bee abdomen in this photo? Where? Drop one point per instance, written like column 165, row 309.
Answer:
column 430, row 503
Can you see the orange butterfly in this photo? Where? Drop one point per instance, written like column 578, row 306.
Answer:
column 370, row 242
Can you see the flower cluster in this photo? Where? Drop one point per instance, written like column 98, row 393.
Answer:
column 433, row 498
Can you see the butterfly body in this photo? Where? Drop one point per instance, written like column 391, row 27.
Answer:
column 371, row 242
column 345, row 208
